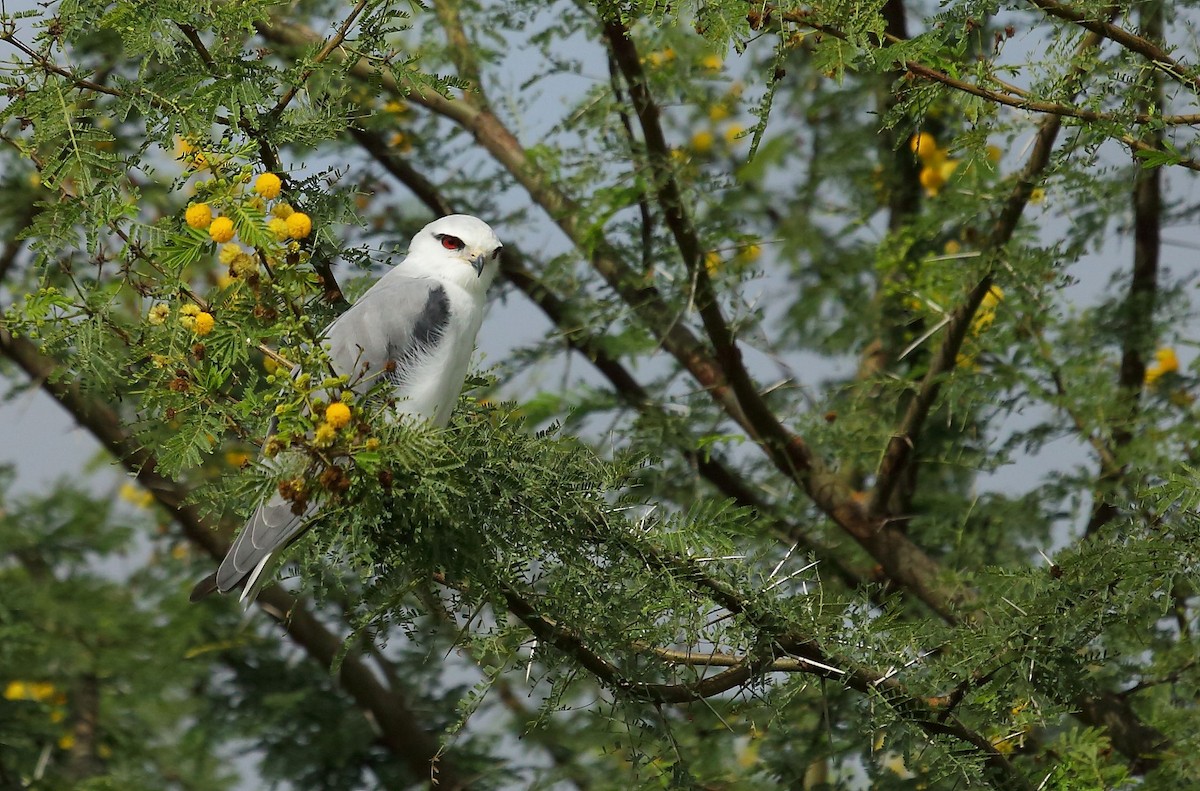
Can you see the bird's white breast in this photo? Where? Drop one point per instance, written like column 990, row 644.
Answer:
column 433, row 382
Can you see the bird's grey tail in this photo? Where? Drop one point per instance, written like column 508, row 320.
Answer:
column 205, row 587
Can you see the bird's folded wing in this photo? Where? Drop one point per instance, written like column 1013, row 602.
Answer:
column 392, row 323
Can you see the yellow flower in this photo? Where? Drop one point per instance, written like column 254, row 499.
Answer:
column 953, row 247
column 733, row 133
column 225, row 281
column 191, row 155
column 400, row 141
column 712, row 62
column 187, row 315
column 993, row 154
column 132, row 493
column 66, row 741
column 282, row 210
column 712, row 261
column 228, row 252
column 243, row 266
column 987, row 310
column 337, row 414
column 992, row 298
column 268, row 185
column 279, row 227
column 299, row 225
column 934, row 177
column 749, row 253
column 718, row 112
column 269, row 365
column 395, row 106
column 924, row 146
column 702, row 141
column 1037, row 197
column 158, row 314
column 1165, row 362
column 221, row 230
column 236, row 458
column 198, row 215
column 203, row 323
column 324, row 435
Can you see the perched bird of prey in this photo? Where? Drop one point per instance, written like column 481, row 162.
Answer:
column 416, row 326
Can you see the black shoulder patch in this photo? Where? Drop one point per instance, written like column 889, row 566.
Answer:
column 430, row 325
column 434, row 318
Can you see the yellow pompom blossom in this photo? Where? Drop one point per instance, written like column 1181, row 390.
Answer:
column 936, row 165
column 66, row 741
column 324, row 435
column 225, row 281
column 299, row 225
column 187, row 316
column 935, row 176
column 268, row 185
column 734, row 132
column 221, row 230
column 228, row 253
column 204, row 323
column 711, row 63
column 237, row 458
column 269, row 365
column 1165, row 362
column 159, row 313
column 924, row 146
column 702, row 141
column 278, row 228
column 987, row 310
column 243, row 266
column 191, row 155
column 749, row 254
column 993, row 154
column 337, row 414
column 712, row 261
column 198, row 215
column 282, row 210
column 718, row 112
column 1037, row 197
column 401, row 142
column 132, row 493
column 395, row 106
column 952, row 247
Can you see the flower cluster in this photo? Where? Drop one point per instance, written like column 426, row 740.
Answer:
column 1165, row 362
column 337, row 416
column 936, row 165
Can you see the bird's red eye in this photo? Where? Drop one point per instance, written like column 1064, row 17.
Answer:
column 451, row 242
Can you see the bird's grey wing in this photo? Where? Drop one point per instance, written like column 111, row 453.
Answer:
column 392, row 323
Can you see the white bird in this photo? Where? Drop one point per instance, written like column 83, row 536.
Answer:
column 416, row 326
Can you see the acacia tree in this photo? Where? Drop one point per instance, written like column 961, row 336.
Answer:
column 738, row 518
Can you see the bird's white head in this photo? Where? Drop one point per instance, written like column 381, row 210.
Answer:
column 457, row 248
